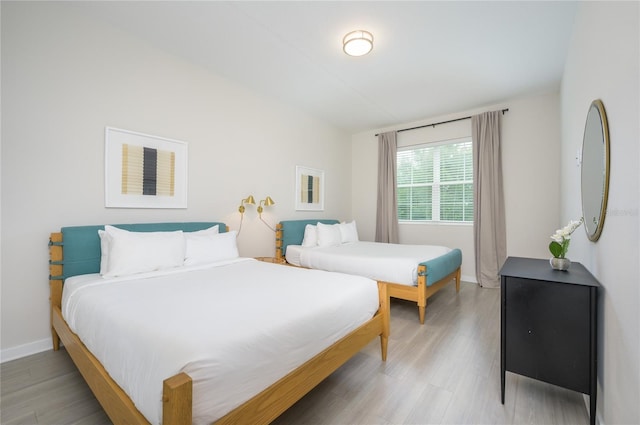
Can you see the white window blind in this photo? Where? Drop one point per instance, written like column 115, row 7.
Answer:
column 435, row 182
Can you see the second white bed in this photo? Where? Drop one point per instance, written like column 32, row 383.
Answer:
column 383, row 262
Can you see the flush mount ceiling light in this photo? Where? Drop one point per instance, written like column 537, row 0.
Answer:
column 357, row 43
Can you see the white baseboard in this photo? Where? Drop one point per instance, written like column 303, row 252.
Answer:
column 468, row 279
column 20, row 351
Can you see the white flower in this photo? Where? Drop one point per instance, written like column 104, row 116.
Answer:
column 562, row 237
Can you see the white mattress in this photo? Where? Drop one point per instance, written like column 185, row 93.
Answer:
column 380, row 261
column 293, row 254
column 235, row 327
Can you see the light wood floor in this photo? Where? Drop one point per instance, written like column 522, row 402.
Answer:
column 445, row 372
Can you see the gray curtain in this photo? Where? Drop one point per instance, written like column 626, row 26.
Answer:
column 488, row 216
column 387, row 208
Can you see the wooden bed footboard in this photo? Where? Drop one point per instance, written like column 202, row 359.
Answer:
column 421, row 293
column 177, row 390
column 272, row 402
column 115, row 402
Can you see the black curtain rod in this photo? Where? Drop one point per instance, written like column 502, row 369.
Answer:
column 438, row 123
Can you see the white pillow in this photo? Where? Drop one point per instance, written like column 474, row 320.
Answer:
column 349, row 232
column 217, row 247
column 138, row 252
column 329, row 234
column 198, row 244
column 104, row 251
column 310, row 236
column 212, row 247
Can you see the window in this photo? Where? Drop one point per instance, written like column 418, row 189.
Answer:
column 435, row 182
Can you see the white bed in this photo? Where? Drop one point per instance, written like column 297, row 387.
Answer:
column 384, row 262
column 246, row 338
column 230, row 341
column 410, row 272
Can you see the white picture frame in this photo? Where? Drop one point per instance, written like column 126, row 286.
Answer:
column 309, row 195
column 132, row 158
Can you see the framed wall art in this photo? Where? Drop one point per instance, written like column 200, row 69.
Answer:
column 309, row 189
column 143, row 171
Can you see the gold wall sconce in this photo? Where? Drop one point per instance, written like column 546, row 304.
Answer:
column 267, row 202
column 248, row 200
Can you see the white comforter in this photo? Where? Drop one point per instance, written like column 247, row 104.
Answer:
column 235, row 327
column 380, row 261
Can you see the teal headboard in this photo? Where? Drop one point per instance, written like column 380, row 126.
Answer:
column 292, row 232
column 81, row 244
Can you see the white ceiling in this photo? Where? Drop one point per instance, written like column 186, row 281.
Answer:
column 429, row 58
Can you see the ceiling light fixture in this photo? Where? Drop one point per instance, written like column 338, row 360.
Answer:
column 357, row 43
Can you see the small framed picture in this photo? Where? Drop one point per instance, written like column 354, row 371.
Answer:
column 143, row 171
column 309, row 189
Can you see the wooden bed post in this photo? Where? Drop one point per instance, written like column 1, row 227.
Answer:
column 385, row 308
column 55, row 286
column 177, row 397
column 422, row 292
column 279, row 253
column 55, row 282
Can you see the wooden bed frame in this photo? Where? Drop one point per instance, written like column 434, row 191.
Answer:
column 177, row 390
column 419, row 293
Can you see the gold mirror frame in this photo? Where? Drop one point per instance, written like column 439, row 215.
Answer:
column 595, row 170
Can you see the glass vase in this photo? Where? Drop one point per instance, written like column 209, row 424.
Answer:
column 561, row 264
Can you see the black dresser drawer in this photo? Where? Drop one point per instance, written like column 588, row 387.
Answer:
column 548, row 332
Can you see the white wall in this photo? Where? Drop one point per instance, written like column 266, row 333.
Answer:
column 64, row 78
column 530, row 163
column 603, row 63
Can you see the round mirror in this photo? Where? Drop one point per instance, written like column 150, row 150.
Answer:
column 595, row 170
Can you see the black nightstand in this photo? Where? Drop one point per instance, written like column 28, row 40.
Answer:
column 549, row 325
